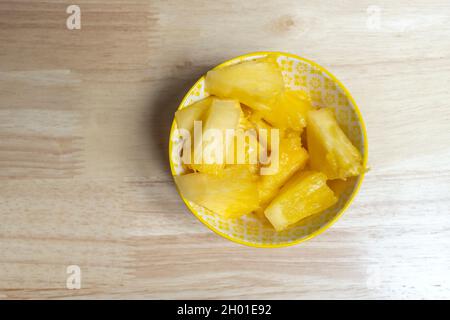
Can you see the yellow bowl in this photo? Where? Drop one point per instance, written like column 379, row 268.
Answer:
column 325, row 91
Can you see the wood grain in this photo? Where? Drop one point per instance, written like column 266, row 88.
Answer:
column 84, row 123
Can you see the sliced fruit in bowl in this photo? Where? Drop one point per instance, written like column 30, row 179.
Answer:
column 186, row 117
column 331, row 151
column 306, row 194
column 231, row 194
column 222, row 115
column 254, row 83
column 290, row 168
column 288, row 111
column 292, row 157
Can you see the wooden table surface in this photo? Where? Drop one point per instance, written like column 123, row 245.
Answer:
column 84, row 125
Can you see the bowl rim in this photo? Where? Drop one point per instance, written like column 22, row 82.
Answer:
column 355, row 191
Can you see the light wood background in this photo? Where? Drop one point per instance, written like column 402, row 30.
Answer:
column 84, row 124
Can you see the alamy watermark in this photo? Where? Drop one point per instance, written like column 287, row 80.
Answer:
column 231, row 146
column 74, row 279
column 73, row 22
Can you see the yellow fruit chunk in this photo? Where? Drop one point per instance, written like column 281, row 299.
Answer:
column 264, row 137
column 209, row 155
column 329, row 148
column 254, row 83
column 186, row 116
column 305, row 194
column 244, row 119
column 245, row 143
column 289, row 111
column 231, row 194
column 246, row 150
column 292, row 157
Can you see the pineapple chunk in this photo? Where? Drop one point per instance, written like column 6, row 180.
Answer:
column 244, row 119
column 246, row 150
column 259, row 124
column 246, row 139
column 230, row 195
column 254, row 83
column 305, row 194
column 329, row 148
column 289, row 111
column 209, row 155
column 292, row 157
column 186, row 116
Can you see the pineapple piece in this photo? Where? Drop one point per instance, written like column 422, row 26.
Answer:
column 246, row 150
column 244, row 120
column 289, row 111
column 186, row 116
column 254, row 83
column 259, row 124
column 246, row 139
column 305, row 194
column 209, row 155
column 329, row 148
column 230, row 195
column 292, row 157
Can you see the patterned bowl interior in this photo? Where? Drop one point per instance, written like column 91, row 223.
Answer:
column 324, row 91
